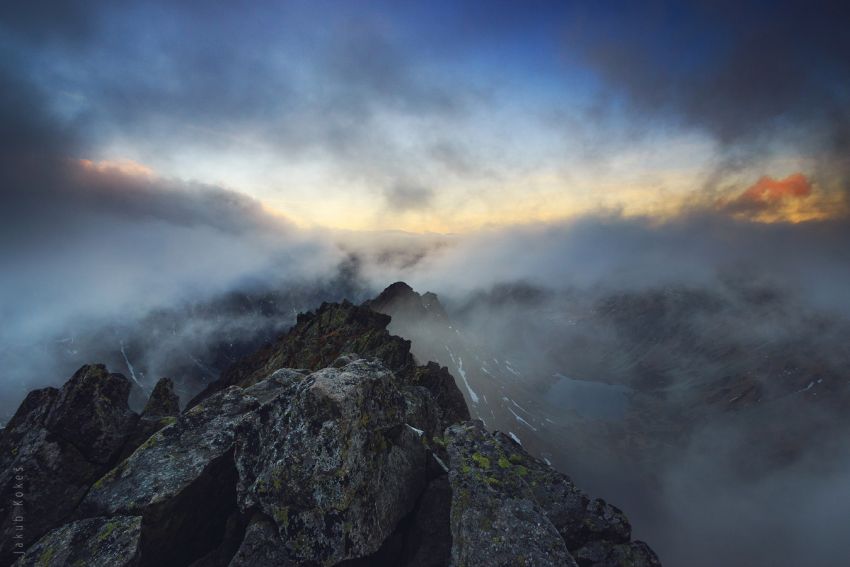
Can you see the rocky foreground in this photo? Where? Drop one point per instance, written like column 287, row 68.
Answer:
column 331, row 446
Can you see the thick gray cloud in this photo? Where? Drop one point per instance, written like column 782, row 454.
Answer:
column 87, row 247
column 403, row 196
column 701, row 248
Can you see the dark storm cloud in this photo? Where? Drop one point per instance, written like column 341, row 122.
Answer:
column 265, row 80
column 757, row 76
column 45, row 190
column 373, row 71
column 739, row 71
column 38, row 21
column 88, row 247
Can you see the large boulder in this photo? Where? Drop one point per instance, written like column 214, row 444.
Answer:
column 342, row 433
column 58, row 443
column 326, row 458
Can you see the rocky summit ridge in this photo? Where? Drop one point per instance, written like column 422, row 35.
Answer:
column 330, row 446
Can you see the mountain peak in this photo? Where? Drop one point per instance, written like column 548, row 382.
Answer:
column 393, row 294
column 403, row 304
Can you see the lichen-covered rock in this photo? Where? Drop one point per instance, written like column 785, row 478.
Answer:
column 495, row 519
column 173, row 458
column 327, row 457
column 94, row 542
column 578, row 518
column 492, row 465
column 582, row 521
column 58, row 442
column 342, row 433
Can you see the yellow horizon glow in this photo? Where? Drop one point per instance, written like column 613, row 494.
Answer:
column 540, row 197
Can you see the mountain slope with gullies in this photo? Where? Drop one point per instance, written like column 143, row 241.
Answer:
column 330, row 446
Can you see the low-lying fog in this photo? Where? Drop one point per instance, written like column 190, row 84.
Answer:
column 706, row 320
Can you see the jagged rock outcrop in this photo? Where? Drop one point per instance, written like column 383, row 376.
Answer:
column 400, row 300
column 348, row 459
column 335, row 330
column 181, row 481
column 163, row 402
column 56, row 445
column 161, row 409
column 326, row 458
column 316, row 341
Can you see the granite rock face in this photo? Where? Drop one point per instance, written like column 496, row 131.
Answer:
column 330, row 447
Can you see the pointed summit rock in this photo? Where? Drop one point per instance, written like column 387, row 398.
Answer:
column 163, row 402
column 405, row 305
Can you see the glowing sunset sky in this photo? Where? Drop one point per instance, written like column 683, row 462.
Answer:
column 447, row 116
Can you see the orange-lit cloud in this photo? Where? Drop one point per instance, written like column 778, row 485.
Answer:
column 124, row 167
column 770, row 199
column 768, row 189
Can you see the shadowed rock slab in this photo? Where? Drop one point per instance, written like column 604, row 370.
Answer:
column 261, row 546
column 447, row 397
column 95, row 542
column 173, row 458
column 181, row 481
